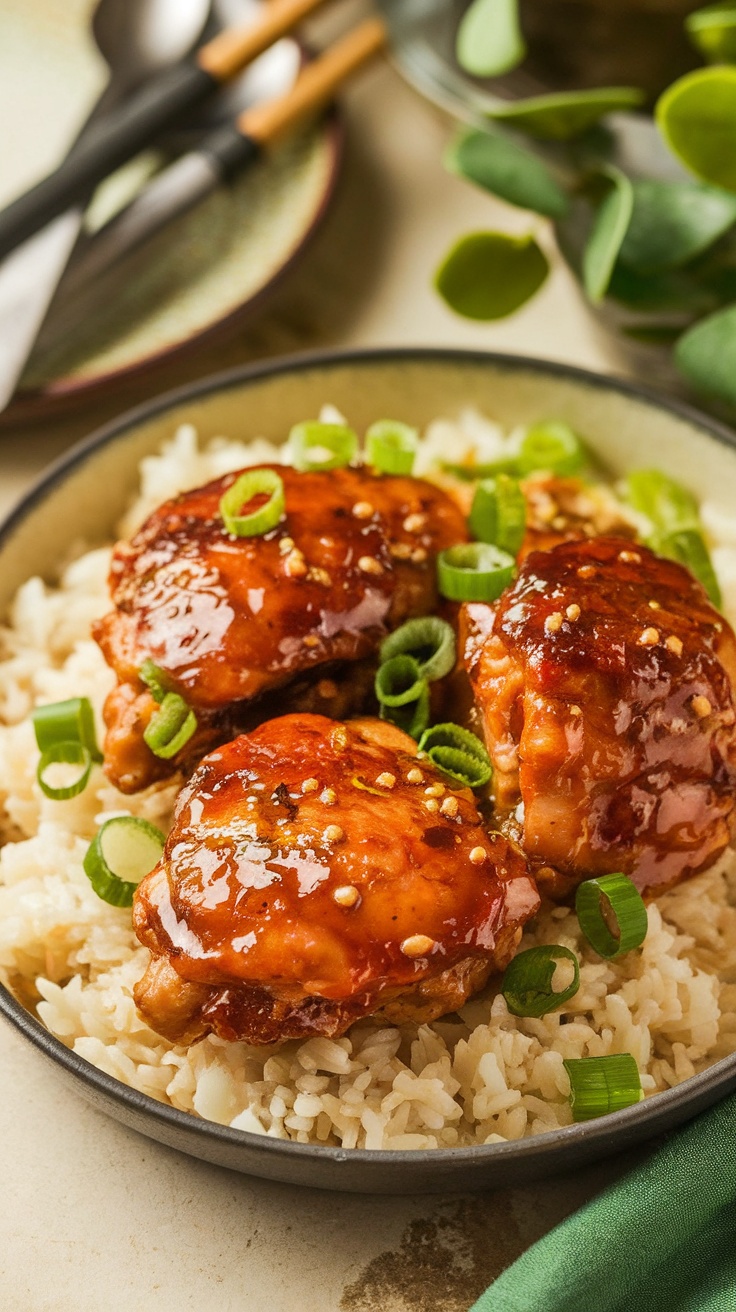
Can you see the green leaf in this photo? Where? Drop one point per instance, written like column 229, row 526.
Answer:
column 706, row 355
column 562, row 115
column 713, row 32
column 489, row 40
column 488, row 275
column 672, row 222
column 697, row 118
column 506, row 170
column 607, row 234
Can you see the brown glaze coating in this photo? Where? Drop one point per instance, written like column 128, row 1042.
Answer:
column 307, row 882
column 564, row 509
column 230, row 619
column 605, row 682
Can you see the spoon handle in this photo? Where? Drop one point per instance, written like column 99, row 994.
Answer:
column 153, row 109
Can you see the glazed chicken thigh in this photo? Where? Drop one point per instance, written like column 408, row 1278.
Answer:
column 233, row 621
column 604, row 680
column 318, row 872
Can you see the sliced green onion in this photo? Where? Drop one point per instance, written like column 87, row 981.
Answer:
column 675, row 527
column 65, row 722
column 122, row 852
column 688, row 547
column 253, row 483
column 391, row 447
column 171, row 727
column 314, row 445
column 488, row 469
column 611, row 897
column 69, row 753
column 398, row 681
column 155, row 680
column 413, row 718
column 599, row 1085
column 458, row 753
column 498, row 513
column 527, row 981
column 430, row 640
column 474, row 571
column 552, row 446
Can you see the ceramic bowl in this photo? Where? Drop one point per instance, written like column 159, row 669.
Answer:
column 623, row 424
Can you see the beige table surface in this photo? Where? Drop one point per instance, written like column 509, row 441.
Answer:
column 92, row 1217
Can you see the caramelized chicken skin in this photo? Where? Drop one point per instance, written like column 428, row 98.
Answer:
column 231, row 619
column 318, row 872
column 604, row 678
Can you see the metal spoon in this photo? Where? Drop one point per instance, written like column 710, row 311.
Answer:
column 137, row 39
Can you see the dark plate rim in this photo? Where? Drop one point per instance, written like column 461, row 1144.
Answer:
column 651, row 1112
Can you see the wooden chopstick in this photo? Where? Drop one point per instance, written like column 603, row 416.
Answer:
column 229, row 51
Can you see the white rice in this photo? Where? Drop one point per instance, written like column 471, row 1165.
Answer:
column 482, row 1077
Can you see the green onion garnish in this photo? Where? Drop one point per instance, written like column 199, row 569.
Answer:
column 457, row 752
column 72, row 752
column 675, row 529
column 314, row 445
column 155, row 679
column 123, row 850
column 390, row 446
column 431, row 641
column 488, row 469
column 171, row 727
column 611, row 898
column 399, row 681
column 552, row 446
column 599, row 1085
column 413, row 717
column 687, row 546
column 474, row 571
column 65, row 722
column 498, row 513
column 253, row 483
column 527, row 981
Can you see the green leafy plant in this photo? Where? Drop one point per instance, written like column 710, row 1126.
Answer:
column 660, row 251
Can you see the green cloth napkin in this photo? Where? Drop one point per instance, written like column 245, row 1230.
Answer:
column 661, row 1240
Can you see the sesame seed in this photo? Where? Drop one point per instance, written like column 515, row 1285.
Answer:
column 346, row 895
column 327, row 688
column 286, row 545
column 435, row 790
column 586, row 572
column 674, row 644
column 630, row 557
column 370, row 565
column 319, row 575
column 450, row 807
column 415, row 777
column 575, row 710
column 386, row 779
column 333, row 834
column 328, row 796
column 559, row 522
column 400, row 550
column 432, row 805
column 573, row 611
column 414, row 523
column 310, row 785
column 553, row 622
column 295, row 564
column 417, row 945
column 649, row 638
column 310, row 640
column 418, row 556
column 478, row 855
column 654, row 605
column 701, row 706
column 362, row 510
column 339, row 739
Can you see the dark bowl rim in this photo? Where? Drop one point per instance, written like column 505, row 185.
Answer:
column 552, row 1145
